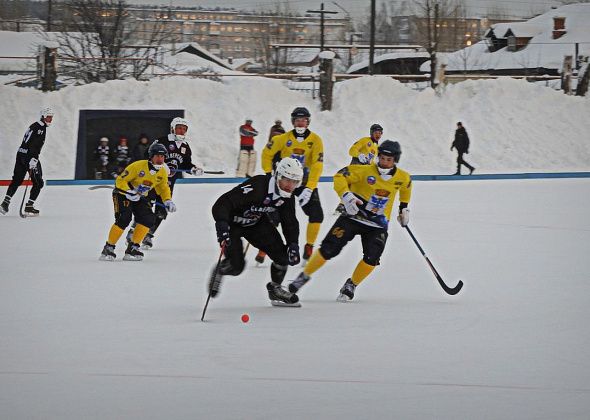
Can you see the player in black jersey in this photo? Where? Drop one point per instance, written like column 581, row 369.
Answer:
column 27, row 160
column 179, row 160
column 242, row 213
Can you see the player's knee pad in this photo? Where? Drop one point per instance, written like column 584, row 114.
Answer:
column 372, row 259
column 146, row 219
column 40, row 183
column 329, row 249
column 232, row 268
column 161, row 213
column 123, row 219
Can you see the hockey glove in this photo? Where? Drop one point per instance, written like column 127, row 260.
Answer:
column 196, row 171
column 222, row 229
column 33, row 163
column 351, row 203
column 170, row 206
column 304, row 196
column 404, row 217
column 363, row 158
column 132, row 195
column 293, row 254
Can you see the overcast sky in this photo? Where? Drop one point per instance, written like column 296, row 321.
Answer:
column 360, row 7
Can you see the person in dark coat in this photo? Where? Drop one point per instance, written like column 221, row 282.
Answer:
column 141, row 148
column 461, row 143
column 276, row 129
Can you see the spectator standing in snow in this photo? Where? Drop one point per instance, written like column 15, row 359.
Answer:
column 461, row 143
column 247, row 158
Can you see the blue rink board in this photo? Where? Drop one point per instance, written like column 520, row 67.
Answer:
column 232, row 180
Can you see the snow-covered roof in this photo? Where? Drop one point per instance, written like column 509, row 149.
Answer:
column 388, row 56
column 523, row 30
column 195, row 49
column 542, row 50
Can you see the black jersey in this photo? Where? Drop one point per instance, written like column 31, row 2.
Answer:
column 179, row 153
column 33, row 141
column 247, row 203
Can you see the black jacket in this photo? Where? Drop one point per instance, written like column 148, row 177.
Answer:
column 461, row 142
column 179, row 157
column 32, row 142
column 250, row 201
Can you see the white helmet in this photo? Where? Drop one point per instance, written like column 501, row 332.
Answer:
column 47, row 112
column 291, row 169
column 178, row 121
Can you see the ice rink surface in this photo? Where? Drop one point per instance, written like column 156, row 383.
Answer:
column 83, row 339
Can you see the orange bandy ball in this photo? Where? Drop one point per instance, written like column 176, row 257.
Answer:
column 245, row 318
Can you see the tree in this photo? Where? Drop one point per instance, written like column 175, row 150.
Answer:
column 103, row 42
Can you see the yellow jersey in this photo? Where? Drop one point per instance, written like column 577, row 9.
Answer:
column 309, row 151
column 142, row 177
column 364, row 145
column 375, row 190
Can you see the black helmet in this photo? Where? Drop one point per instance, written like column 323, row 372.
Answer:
column 157, row 149
column 300, row 112
column 376, row 127
column 390, row 148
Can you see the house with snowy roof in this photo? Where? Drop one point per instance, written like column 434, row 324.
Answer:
column 535, row 47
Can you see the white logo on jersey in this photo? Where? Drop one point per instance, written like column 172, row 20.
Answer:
column 247, row 189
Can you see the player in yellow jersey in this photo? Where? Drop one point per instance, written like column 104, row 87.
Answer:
column 130, row 199
column 307, row 147
column 364, row 150
column 367, row 193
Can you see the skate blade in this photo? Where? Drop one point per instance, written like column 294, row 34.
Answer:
column 145, row 247
column 106, row 258
column 2, row 211
column 30, row 214
column 131, row 258
column 281, row 304
column 343, row 298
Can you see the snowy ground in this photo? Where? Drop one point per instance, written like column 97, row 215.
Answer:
column 89, row 339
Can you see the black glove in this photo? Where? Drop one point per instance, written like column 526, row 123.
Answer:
column 293, row 254
column 222, row 229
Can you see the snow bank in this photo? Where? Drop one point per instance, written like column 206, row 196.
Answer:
column 514, row 125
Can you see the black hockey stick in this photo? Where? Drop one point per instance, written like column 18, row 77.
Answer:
column 188, row 171
column 447, row 289
column 214, row 275
column 112, row 187
column 21, row 211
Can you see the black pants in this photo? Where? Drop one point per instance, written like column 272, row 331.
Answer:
column 21, row 167
column 461, row 161
column 125, row 209
column 160, row 210
column 313, row 209
column 263, row 236
column 344, row 230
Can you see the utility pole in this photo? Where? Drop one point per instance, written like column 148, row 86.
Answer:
column 322, row 12
column 372, row 40
column 48, row 15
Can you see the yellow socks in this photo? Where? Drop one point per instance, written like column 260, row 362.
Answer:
column 361, row 272
column 139, row 233
column 314, row 264
column 313, row 230
column 114, row 234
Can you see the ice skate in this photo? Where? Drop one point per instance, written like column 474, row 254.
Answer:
column 281, row 297
column 108, row 253
column 298, row 282
column 347, row 291
column 132, row 253
column 147, row 242
column 31, row 211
